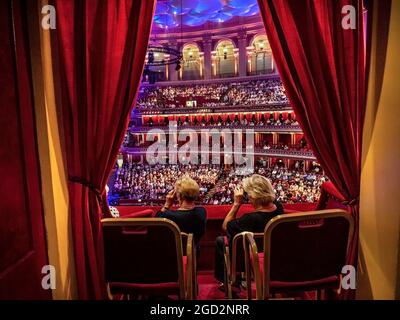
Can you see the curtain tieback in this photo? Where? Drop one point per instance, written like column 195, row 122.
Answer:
column 91, row 186
column 351, row 202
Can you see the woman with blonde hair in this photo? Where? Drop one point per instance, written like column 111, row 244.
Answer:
column 262, row 197
column 189, row 217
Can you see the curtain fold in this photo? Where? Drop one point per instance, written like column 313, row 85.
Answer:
column 323, row 71
column 101, row 49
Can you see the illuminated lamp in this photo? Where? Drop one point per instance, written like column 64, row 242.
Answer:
column 120, row 161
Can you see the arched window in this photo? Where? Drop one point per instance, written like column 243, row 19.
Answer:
column 225, row 59
column 260, row 59
column 192, row 62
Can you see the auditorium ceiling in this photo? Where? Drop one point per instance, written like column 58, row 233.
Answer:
column 172, row 14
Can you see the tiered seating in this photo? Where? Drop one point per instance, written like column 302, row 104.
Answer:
column 145, row 184
column 252, row 93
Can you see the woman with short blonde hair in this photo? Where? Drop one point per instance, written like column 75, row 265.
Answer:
column 260, row 189
column 189, row 217
column 262, row 197
column 187, row 189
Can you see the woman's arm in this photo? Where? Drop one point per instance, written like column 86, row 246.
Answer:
column 230, row 216
column 169, row 201
column 238, row 196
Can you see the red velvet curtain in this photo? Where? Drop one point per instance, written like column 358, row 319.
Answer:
column 322, row 69
column 101, row 52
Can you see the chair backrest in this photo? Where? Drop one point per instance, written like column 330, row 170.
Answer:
column 306, row 247
column 238, row 253
column 142, row 251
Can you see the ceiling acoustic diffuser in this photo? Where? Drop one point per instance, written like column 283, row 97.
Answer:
column 193, row 13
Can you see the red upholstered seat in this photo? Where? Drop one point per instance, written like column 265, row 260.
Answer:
column 184, row 259
column 215, row 216
column 144, row 256
column 297, row 285
column 226, row 241
column 301, row 252
column 162, row 289
column 260, row 256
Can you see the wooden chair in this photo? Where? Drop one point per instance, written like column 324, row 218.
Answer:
column 302, row 252
column 145, row 257
column 235, row 263
column 189, row 251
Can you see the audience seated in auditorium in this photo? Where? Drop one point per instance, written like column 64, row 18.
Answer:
column 246, row 93
column 291, row 186
column 262, row 197
column 218, row 121
column 189, row 217
column 148, row 185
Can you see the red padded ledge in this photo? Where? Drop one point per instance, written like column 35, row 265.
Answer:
column 214, row 212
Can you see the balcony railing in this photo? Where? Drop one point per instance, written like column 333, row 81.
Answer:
column 260, row 72
column 276, row 106
column 213, row 80
column 225, row 75
column 256, row 128
column 277, row 153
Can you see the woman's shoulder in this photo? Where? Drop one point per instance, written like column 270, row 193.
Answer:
column 200, row 210
column 249, row 215
column 279, row 207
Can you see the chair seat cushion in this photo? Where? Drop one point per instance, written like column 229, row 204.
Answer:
column 278, row 286
column 226, row 241
column 158, row 289
column 184, row 265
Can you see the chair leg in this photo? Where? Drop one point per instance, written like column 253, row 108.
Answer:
column 227, row 286
column 229, row 290
column 248, row 285
column 195, row 288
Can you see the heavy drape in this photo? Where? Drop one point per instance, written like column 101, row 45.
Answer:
column 322, row 68
column 23, row 249
column 101, row 52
